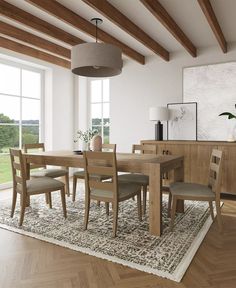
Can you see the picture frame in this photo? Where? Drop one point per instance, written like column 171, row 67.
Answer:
column 183, row 121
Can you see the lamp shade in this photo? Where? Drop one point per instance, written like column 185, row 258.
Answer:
column 96, row 60
column 158, row 114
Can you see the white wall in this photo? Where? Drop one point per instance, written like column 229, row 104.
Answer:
column 58, row 101
column 154, row 84
column 62, row 111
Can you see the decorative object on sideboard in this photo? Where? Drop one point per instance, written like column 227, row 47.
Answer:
column 183, row 121
column 96, row 59
column 158, row 114
column 231, row 136
column 96, row 143
column 86, row 137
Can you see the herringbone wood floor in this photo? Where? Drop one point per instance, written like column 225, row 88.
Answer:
column 29, row 263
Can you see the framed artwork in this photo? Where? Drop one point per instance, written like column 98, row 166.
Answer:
column 213, row 88
column 183, row 121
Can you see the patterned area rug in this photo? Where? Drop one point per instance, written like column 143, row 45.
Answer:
column 167, row 256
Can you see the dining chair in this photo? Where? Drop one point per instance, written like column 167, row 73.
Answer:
column 199, row 192
column 138, row 178
column 43, row 171
column 81, row 174
column 27, row 188
column 111, row 191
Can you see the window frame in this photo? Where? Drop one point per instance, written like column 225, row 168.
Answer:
column 22, row 67
column 101, row 103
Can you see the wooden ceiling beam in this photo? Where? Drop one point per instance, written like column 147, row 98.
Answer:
column 155, row 7
column 68, row 16
column 14, row 13
column 32, row 52
column 34, row 40
column 213, row 22
column 115, row 16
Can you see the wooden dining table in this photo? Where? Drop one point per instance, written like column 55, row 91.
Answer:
column 155, row 166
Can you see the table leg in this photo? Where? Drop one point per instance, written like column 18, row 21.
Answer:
column 155, row 199
column 179, row 177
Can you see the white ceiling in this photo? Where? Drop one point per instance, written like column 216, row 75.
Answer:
column 187, row 14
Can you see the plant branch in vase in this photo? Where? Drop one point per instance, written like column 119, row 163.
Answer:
column 86, row 137
column 231, row 137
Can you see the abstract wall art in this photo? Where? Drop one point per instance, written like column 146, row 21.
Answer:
column 213, row 87
column 183, row 121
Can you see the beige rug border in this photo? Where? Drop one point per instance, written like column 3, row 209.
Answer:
column 176, row 276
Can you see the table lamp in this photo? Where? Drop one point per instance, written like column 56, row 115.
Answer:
column 158, row 114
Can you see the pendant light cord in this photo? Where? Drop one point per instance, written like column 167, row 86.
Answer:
column 96, row 21
column 96, row 31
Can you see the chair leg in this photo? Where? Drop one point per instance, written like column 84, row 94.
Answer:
column 173, row 210
column 219, row 220
column 139, row 202
column 169, row 204
column 63, row 201
column 87, row 208
column 49, row 196
column 107, row 208
column 144, row 199
column 74, row 188
column 115, row 217
column 98, row 203
column 22, row 210
column 67, row 183
column 46, row 198
column 14, row 196
column 211, row 210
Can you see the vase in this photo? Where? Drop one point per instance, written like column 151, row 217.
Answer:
column 96, row 143
column 232, row 131
column 86, row 146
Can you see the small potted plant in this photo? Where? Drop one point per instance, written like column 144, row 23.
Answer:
column 231, row 137
column 85, row 136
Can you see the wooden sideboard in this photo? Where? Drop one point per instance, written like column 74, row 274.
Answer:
column 197, row 158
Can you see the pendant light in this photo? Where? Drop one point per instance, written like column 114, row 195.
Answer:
column 96, row 59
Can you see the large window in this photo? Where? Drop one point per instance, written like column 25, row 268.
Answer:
column 20, row 111
column 100, row 107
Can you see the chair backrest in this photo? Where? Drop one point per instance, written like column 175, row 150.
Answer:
column 215, row 170
column 28, row 148
column 18, row 171
column 109, row 148
column 101, row 163
column 144, row 148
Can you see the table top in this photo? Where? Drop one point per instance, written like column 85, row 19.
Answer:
column 127, row 162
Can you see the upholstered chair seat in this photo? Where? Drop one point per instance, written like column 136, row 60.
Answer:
column 53, row 173
column 37, row 185
column 134, row 178
column 191, row 190
column 125, row 191
column 81, row 175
